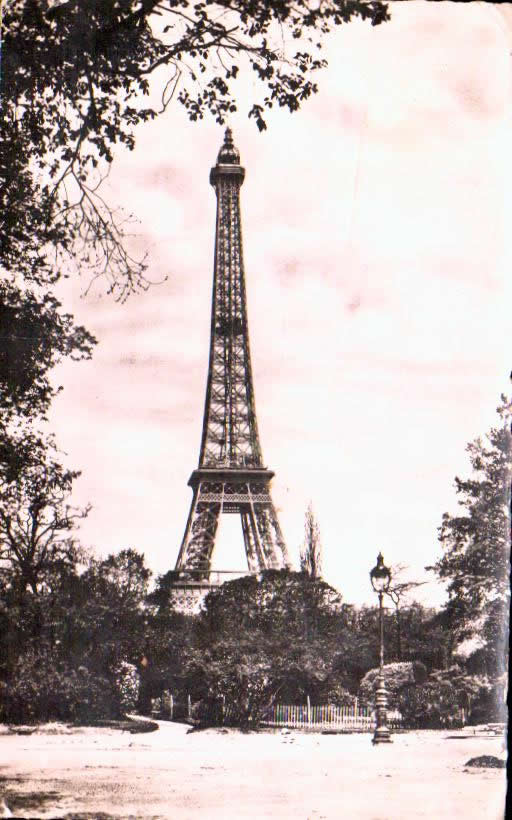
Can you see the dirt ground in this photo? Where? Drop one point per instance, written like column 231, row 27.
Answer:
column 101, row 773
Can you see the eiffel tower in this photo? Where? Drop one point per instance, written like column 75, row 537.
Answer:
column 231, row 476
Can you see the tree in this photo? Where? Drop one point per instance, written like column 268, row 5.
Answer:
column 357, row 645
column 263, row 637
column 476, row 545
column 42, row 686
column 425, row 639
column 34, row 336
column 125, row 574
column 76, row 78
column 167, row 644
column 38, row 548
column 311, row 551
column 36, row 519
column 105, row 612
column 398, row 591
column 82, row 660
column 426, row 636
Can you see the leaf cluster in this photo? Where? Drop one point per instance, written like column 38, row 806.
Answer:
column 36, row 518
column 76, row 79
column 311, row 551
column 84, row 627
column 260, row 637
column 34, row 336
column 476, row 543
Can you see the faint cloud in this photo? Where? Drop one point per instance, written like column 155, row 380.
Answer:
column 289, row 269
column 354, row 304
column 351, row 116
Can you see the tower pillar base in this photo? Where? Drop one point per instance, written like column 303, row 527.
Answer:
column 188, row 598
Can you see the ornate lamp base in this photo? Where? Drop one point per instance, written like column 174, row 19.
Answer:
column 381, row 734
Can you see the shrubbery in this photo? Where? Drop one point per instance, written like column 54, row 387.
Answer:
column 398, row 676
column 93, row 646
column 434, row 701
column 69, row 647
column 127, row 686
column 432, row 705
column 337, row 695
column 43, row 688
column 260, row 639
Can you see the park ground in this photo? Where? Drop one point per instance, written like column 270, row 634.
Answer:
column 213, row 774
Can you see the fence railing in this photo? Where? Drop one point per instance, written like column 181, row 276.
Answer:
column 336, row 718
column 315, row 718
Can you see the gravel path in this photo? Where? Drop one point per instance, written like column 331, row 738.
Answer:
column 99, row 773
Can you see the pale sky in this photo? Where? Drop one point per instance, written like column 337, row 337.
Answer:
column 377, row 254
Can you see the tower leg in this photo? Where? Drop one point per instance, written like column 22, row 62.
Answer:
column 199, row 539
column 227, row 491
column 255, row 558
column 271, row 537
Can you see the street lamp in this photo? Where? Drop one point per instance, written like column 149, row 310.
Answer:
column 380, row 576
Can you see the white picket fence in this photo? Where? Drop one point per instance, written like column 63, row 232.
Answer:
column 354, row 718
column 335, row 718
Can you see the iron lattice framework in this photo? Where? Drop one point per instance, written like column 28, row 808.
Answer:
column 231, row 476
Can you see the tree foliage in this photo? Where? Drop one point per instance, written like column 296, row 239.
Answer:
column 72, row 647
column 106, row 619
column 447, row 697
column 399, row 591
column 311, row 551
column 476, row 543
column 34, row 336
column 36, row 517
column 397, row 677
column 76, row 80
column 424, row 639
column 263, row 637
column 43, row 686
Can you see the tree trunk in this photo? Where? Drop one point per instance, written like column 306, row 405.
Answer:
column 398, row 635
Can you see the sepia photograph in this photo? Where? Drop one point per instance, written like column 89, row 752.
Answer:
column 255, row 409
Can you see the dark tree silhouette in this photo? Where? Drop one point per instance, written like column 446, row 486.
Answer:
column 36, row 518
column 34, row 336
column 398, row 591
column 311, row 551
column 76, row 78
column 476, row 544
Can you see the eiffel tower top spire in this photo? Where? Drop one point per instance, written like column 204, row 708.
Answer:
column 228, row 153
column 228, row 162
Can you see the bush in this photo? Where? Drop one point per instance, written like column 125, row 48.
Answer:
column 127, row 685
column 244, row 679
column 431, row 705
column 437, row 702
column 262, row 638
column 397, row 676
column 337, row 695
column 41, row 688
column 489, row 704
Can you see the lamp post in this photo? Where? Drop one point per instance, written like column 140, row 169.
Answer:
column 380, row 576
